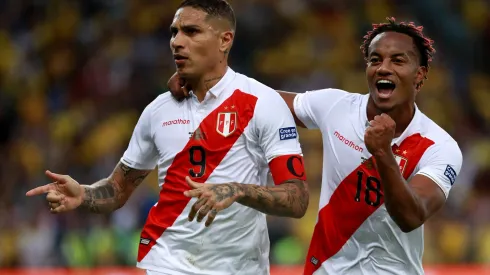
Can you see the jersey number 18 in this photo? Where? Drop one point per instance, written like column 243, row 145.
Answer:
column 372, row 193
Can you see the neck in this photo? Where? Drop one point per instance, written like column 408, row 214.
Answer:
column 202, row 84
column 402, row 115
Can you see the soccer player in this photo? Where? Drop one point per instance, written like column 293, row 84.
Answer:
column 231, row 129
column 387, row 166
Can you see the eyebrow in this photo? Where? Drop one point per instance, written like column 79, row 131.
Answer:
column 394, row 55
column 173, row 27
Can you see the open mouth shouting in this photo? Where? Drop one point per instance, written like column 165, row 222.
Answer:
column 385, row 88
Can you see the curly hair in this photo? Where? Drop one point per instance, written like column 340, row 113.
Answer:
column 423, row 43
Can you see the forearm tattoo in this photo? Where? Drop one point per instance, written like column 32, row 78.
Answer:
column 110, row 194
column 289, row 199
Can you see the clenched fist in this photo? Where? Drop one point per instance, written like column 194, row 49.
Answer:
column 379, row 134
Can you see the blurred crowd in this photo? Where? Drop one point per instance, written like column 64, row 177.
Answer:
column 75, row 75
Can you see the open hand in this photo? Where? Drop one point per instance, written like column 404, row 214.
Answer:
column 212, row 198
column 379, row 134
column 178, row 88
column 64, row 194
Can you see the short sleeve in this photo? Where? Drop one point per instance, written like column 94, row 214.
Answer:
column 275, row 127
column 313, row 106
column 141, row 153
column 442, row 163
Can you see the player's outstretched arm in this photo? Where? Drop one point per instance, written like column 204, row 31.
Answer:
column 104, row 196
column 110, row 194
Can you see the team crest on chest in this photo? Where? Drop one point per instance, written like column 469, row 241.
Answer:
column 226, row 123
column 402, row 162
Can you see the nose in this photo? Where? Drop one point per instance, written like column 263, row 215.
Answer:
column 177, row 41
column 385, row 68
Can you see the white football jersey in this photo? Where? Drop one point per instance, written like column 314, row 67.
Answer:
column 354, row 233
column 231, row 136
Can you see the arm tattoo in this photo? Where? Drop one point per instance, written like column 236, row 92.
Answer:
column 289, row 199
column 110, row 194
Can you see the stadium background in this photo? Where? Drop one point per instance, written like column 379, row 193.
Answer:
column 75, row 75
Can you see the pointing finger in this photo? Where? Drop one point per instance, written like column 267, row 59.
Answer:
column 40, row 190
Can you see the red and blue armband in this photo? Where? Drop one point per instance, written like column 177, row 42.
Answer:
column 287, row 167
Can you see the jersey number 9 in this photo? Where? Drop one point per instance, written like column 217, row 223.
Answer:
column 197, row 157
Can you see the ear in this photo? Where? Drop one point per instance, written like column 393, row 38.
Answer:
column 226, row 41
column 420, row 76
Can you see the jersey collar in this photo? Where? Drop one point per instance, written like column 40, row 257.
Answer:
column 216, row 90
column 413, row 126
column 223, row 83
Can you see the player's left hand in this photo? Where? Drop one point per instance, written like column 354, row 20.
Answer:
column 379, row 134
column 212, row 198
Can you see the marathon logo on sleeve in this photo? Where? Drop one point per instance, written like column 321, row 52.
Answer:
column 287, row 133
column 450, row 174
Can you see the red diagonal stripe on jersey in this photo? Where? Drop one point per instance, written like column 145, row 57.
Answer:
column 172, row 200
column 342, row 216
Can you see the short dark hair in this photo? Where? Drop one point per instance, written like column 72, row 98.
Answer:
column 423, row 44
column 214, row 8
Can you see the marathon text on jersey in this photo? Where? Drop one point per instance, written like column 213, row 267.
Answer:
column 347, row 142
column 176, row 121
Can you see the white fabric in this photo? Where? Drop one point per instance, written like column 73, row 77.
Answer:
column 237, row 242
column 378, row 246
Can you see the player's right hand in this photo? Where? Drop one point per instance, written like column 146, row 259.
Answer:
column 64, row 194
column 178, row 88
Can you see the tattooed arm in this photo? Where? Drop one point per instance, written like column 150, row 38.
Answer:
column 110, row 194
column 289, row 199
